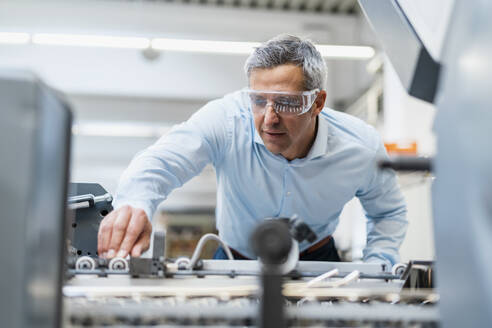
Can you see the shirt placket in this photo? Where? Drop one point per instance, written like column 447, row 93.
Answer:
column 287, row 192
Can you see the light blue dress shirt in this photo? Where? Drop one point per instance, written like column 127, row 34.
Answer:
column 253, row 183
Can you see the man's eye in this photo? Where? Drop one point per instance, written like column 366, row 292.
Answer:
column 257, row 101
column 287, row 101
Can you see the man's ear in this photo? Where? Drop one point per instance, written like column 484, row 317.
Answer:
column 319, row 103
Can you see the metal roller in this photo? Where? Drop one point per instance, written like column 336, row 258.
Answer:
column 85, row 263
column 118, row 264
column 399, row 268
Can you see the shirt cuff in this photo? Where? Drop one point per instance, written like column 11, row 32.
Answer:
column 377, row 260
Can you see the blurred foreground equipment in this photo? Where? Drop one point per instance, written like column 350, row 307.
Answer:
column 463, row 165
column 35, row 127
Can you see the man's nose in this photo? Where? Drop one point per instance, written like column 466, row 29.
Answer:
column 271, row 117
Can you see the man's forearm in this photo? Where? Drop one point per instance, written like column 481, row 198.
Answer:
column 384, row 238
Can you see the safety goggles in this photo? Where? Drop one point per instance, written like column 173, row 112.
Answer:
column 284, row 103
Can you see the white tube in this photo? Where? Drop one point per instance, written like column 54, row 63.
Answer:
column 201, row 243
column 354, row 275
column 322, row 277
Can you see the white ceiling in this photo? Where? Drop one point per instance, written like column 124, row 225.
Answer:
column 127, row 72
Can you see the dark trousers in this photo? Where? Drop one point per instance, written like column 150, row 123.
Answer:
column 327, row 252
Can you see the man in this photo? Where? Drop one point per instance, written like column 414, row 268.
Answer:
column 276, row 153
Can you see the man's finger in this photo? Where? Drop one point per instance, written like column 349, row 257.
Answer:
column 135, row 227
column 104, row 233
column 143, row 242
column 120, row 225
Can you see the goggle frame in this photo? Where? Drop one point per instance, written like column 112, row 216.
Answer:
column 307, row 100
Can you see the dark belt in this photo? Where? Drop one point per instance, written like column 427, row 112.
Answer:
column 237, row 255
column 311, row 249
column 316, row 246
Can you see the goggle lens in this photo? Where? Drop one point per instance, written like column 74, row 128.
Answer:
column 283, row 103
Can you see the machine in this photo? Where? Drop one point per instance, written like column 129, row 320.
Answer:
column 35, row 129
column 275, row 291
column 66, row 284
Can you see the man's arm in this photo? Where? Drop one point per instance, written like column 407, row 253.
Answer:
column 386, row 211
column 155, row 172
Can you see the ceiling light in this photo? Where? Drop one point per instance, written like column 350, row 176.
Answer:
column 90, row 41
column 347, row 52
column 245, row 48
column 119, row 129
column 182, row 45
column 14, row 38
column 230, row 47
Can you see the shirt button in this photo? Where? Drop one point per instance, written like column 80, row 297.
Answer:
column 288, row 193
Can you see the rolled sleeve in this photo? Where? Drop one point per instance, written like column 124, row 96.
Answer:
column 174, row 159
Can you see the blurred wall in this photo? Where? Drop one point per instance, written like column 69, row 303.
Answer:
column 110, row 88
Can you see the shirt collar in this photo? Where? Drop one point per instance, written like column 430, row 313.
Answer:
column 320, row 144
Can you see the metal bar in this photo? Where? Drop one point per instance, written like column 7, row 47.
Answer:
column 159, row 245
column 234, row 273
column 407, row 164
column 302, row 266
column 90, row 199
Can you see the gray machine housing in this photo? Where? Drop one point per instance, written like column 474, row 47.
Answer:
column 462, row 192
column 417, row 70
column 35, row 147
column 90, row 203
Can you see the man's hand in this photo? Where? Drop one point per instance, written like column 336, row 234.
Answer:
column 124, row 231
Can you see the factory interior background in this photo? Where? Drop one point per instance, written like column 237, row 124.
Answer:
column 124, row 98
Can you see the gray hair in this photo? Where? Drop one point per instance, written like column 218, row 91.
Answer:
column 289, row 49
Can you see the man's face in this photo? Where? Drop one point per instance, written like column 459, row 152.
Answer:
column 289, row 136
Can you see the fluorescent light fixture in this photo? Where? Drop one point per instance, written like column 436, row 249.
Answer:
column 201, row 46
column 119, row 129
column 347, row 52
column 229, row 47
column 14, row 38
column 90, row 41
column 245, row 48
